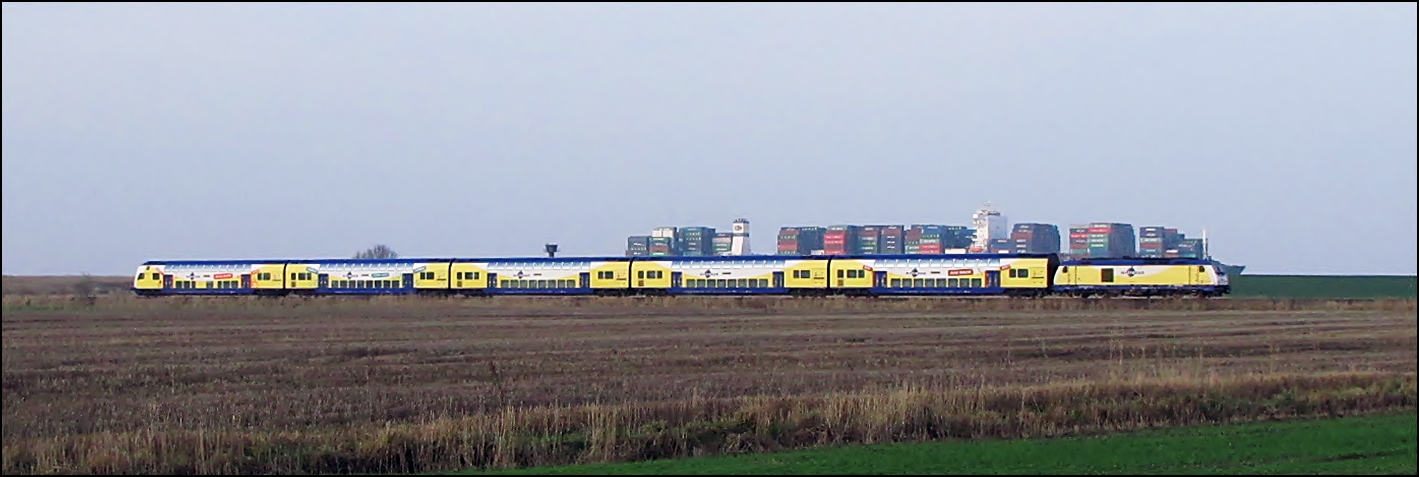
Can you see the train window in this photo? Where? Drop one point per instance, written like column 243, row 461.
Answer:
column 953, row 282
column 293, row 276
column 896, row 282
column 743, row 283
column 1063, row 269
column 919, row 282
column 1200, row 268
column 842, row 273
column 640, row 274
column 1106, row 275
column 1024, row 272
column 763, row 283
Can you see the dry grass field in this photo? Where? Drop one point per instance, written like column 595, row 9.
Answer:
column 126, row 385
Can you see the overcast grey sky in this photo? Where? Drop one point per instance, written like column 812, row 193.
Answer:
column 139, row 131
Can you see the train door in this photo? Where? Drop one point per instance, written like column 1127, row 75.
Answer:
column 492, row 280
column 246, row 280
column 879, row 279
column 324, row 281
column 675, row 279
column 408, row 280
column 585, row 280
column 167, row 281
column 992, row 278
column 1199, row 275
column 640, row 278
column 778, row 279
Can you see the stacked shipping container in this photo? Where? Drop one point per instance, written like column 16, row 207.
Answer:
column 892, row 239
column 1157, row 241
column 1079, row 240
column 723, row 243
column 662, row 246
column 662, row 242
column 1102, row 239
column 868, row 240
column 840, row 239
column 638, row 246
column 935, row 239
column 695, row 241
column 1152, row 241
column 1035, row 238
column 800, row 241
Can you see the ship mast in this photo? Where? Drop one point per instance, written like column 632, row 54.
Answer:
column 1206, row 255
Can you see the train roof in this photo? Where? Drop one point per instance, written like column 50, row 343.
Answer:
column 377, row 261
column 1137, row 261
column 722, row 258
column 215, row 262
column 541, row 259
column 938, row 256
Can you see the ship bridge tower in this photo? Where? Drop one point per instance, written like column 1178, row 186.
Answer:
column 989, row 225
column 739, row 237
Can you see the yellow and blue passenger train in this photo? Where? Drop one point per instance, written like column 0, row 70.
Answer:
column 1018, row 275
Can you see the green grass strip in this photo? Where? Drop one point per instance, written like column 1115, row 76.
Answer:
column 1383, row 444
column 1324, row 287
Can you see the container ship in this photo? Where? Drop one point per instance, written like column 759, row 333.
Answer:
column 989, row 232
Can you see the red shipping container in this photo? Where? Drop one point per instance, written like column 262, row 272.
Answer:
column 1021, row 235
column 1078, row 235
